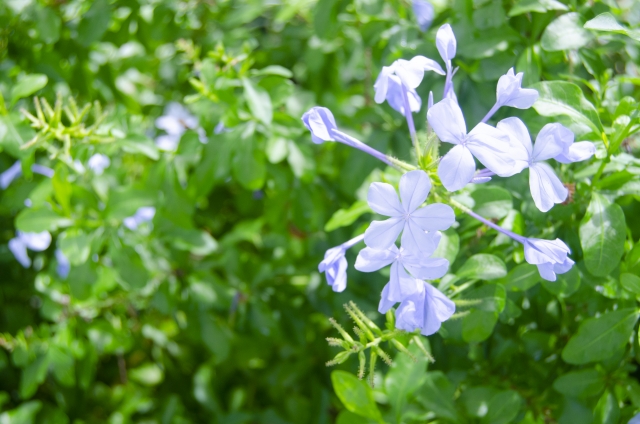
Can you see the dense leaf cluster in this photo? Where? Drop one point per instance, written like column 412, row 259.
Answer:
column 214, row 311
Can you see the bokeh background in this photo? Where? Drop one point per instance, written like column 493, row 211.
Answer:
column 213, row 310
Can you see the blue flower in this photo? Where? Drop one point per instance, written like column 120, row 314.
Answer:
column 426, row 309
column 405, row 214
column 488, row 144
column 424, row 13
column 33, row 241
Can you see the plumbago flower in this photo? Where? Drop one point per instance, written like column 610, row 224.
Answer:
column 405, row 214
column 335, row 264
column 37, row 242
column 175, row 122
column 504, row 150
column 553, row 141
column 488, row 144
column 424, row 13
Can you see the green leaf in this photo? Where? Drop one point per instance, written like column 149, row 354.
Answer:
column 607, row 409
column 27, row 85
column 249, row 165
column 492, row 202
column 599, row 338
column 503, row 408
column 273, row 70
column 94, row 23
column 538, row 6
column 404, row 378
column 436, row 395
column 75, row 245
column 630, row 282
column 607, row 22
column 259, row 102
column 33, row 375
column 483, row 267
column 478, row 325
column 580, row 384
column 138, row 143
column 565, row 285
column 565, row 98
column 355, row 394
column 449, row 246
column 147, row 374
column 37, row 220
column 491, row 297
column 192, row 240
column 565, row 33
column 62, row 188
column 23, row 414
column 522, row 277
column 602, row 235
column 345, row 217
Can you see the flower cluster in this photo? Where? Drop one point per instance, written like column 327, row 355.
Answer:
column 504, row 150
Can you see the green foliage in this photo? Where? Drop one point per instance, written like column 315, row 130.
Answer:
column 214, row 311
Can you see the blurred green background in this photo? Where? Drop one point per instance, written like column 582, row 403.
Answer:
column 214, row 311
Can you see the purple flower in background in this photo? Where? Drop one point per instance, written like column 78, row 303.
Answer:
column 419, row 264
column 175, row 122
column 335, row 264
column 33, row 241
column 426, row 309
column 424, row 13
column 510, row 93
column 488, row 144
column 546, row 187
column 64, row 266
column 405, row 214
column 98, row 163
column 142, row 215
column 15, row 170
column 550, row 256
column 447, row 45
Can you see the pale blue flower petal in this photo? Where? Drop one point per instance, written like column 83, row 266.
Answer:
column 64, row 266
column 385, row 303
column 382, row 234
column 510, row 93
column 551, row 141
column 402, row 285
column 414, row 188
column 396, row 100
column 13, row 172
column 446, row 119
column 321, row 123
column 546, row 187
column 434, row 217
column 337, row 275
column 370, row 260
column 456, row 168
column 415, row 241
column 98, row 163
column 446, row 43
column 19, row 250
column 381, row 86
column 438, row 308
column 426, row 268
column 550, row 256
column 383, row 199
column 492, row 148
column 36, row 241
column 577, row 152
column 424, row 13
column 521, row 148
